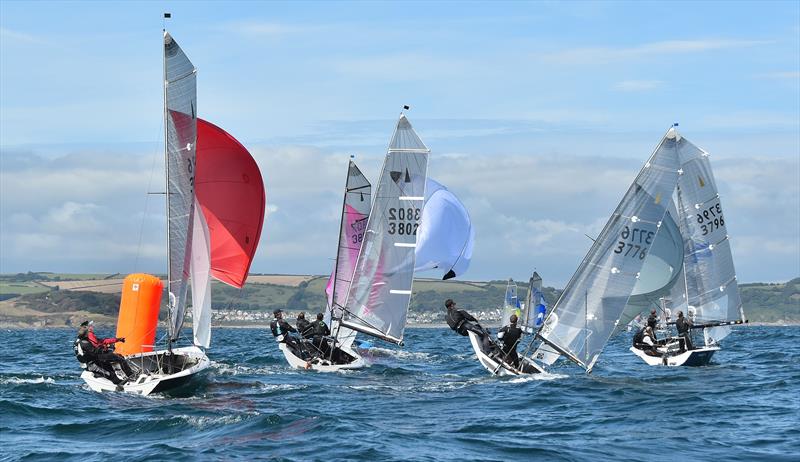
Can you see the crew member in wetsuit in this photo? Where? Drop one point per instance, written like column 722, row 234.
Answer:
column 319, row 331
column 282, row 331
column 303, row 326
column 684, row 325
column 652, row 320
column 103, row 345
column 510, row 336
column 86, row 353
column 461, row 322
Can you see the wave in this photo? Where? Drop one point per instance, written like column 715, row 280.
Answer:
column 21, row 380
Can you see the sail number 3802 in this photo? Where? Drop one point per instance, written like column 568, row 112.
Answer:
column 635, row 242
column 403, row 221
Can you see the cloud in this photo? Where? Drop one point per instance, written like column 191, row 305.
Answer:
column 409, row 66
column 638, row 85
column 83, row 211
column 589, row 55
column 8, row 34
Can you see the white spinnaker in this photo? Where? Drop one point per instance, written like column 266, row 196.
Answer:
column 378, row 296
column 181, row 143
column 200, row 268
column 712, row 293
column 589, row 309
column 446, row 237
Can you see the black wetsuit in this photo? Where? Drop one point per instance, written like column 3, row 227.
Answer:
column 103, row 360
column 461, row 322
column 304, row 327
column 683, row 325
column 652, row 321
column 319, row 331
column 280, row 327
column 511, row 336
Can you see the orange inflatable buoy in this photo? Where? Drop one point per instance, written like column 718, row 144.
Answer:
column 138, row 313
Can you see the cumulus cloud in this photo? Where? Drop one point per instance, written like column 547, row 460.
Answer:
column 83, row 211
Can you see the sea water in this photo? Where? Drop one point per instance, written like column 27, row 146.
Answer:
column 430, row 400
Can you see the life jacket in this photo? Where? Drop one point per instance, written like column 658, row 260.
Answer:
column 638, row 338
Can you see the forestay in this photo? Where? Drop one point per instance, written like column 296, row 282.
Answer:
column 181, row 134
column 709, row 292
column 379, row 294
column 593, row 301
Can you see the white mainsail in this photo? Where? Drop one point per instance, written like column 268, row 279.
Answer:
column 708, row 292
column 446, row 236
column 180, row 96
column 510, row 303
column 588, row 311
column 533, row 299
column 378, row 297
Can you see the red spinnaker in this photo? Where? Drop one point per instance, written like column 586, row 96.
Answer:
column 231, row 193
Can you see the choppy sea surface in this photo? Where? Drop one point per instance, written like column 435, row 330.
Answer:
column 430, row 400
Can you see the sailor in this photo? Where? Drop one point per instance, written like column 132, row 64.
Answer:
column 282, row 331
column 87, row 353
column 461, row 321
column 652, row 320
column 510, row 336
column 683, row 325
column 319, row 332
column 102, row 343
column 303, row 326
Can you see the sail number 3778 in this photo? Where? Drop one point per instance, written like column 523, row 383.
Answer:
column 403, row 221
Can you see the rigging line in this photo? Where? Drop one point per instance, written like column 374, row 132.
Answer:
column 147, row 200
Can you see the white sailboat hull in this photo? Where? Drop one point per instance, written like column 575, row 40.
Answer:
column 322, row 365
column 691, row 358
column 497, row 367
column 154, row 382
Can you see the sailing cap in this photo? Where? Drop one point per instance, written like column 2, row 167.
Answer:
column 87, row 323
column 277, row 311
column 449, row 302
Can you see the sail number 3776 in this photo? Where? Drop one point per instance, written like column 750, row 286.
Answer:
column 403, row 221
column 635, row 242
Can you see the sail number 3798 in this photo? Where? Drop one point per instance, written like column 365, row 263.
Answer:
column 403, row 221
column 635, row 242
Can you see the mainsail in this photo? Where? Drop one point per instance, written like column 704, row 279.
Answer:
column 378, row 296
column 708, row 292
column 511, row 304
column 593, row 301
column 535, row 307
column 180, row 97
column 355, row 212
column 445, row 237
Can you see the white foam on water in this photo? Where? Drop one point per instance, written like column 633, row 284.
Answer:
column 539, row 376
column 201, row 422
column 402, row 354
column 17, row 380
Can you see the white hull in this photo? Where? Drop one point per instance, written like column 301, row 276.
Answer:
column 697, row 357
column 148, row 383
column 322, row 365
column 498, row 367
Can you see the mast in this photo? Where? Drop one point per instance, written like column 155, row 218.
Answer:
column 339, row 244
column 166, row 173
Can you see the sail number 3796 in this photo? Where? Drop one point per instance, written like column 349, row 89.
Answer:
column 710, row 219
column 403, row 221
column 635, row 242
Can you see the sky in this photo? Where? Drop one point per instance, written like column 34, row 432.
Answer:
column 538, row 116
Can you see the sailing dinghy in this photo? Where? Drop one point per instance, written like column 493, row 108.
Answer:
column 702, row 283
column 371, row 283
column 215, row 206
column 530, row 318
